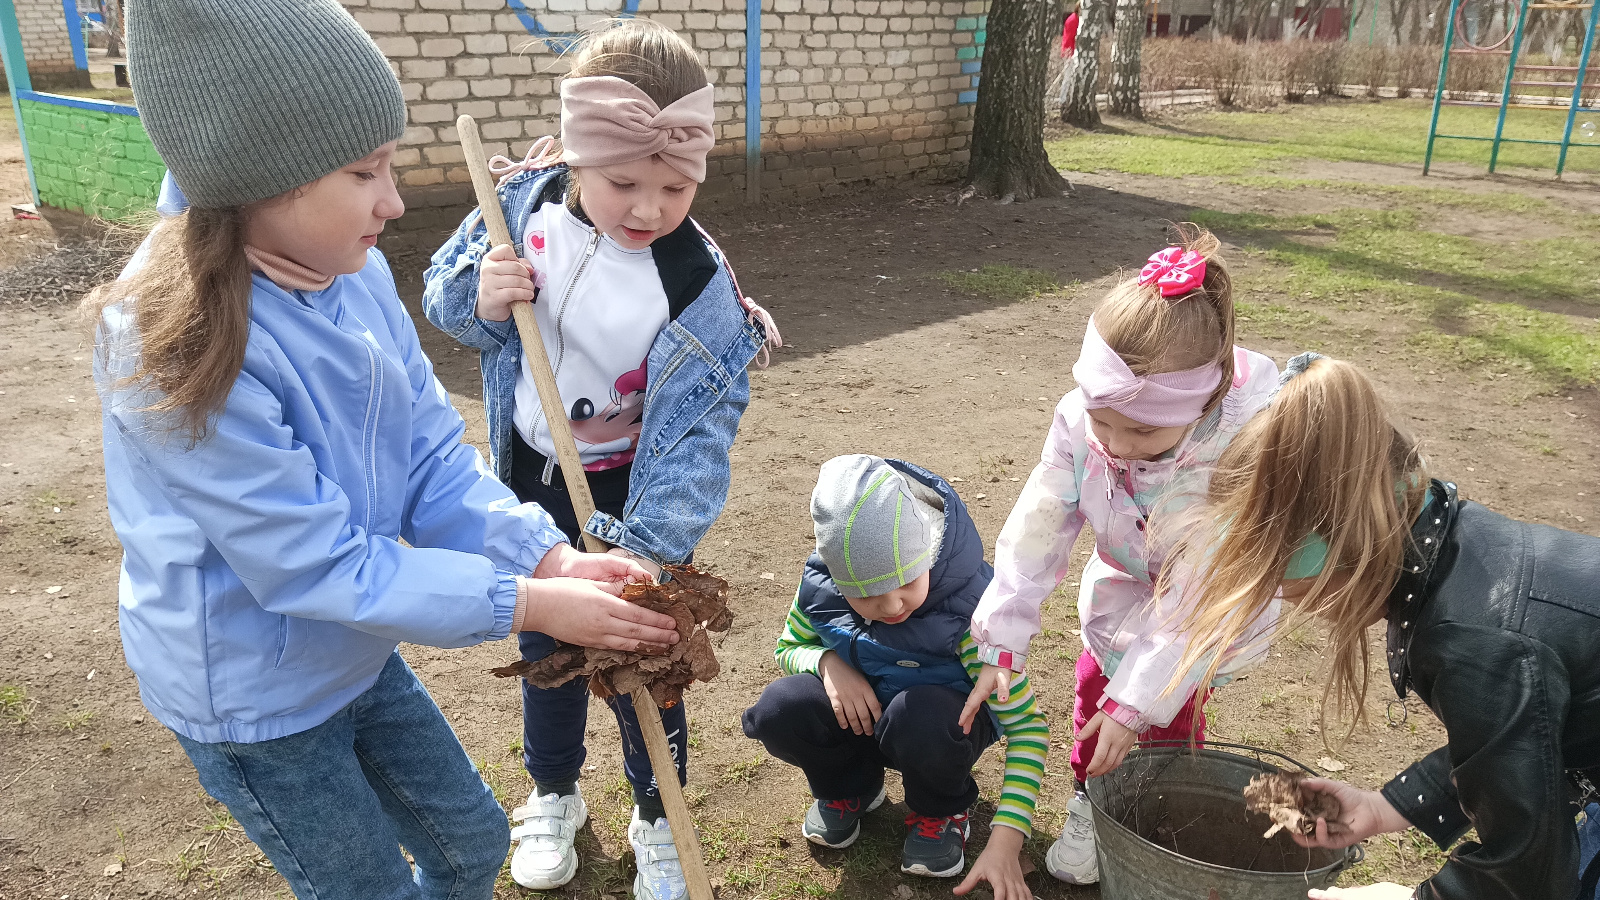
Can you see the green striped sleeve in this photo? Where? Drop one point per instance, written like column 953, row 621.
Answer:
column 1027, row 741
column 799, row 648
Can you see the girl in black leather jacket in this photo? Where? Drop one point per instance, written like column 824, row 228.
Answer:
column 1494, row 623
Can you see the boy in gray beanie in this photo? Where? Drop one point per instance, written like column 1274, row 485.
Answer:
column 880, row 660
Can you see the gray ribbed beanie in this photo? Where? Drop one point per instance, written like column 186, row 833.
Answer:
column 245, row 101
column 877, row 528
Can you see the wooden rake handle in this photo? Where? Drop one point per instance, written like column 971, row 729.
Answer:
column 544, row 379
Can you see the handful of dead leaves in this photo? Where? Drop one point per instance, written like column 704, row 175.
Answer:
column 1288, row 803
column 696, row 601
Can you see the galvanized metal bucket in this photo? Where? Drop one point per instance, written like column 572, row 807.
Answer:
column 1171, row 825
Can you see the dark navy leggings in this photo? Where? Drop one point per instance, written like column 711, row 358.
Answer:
column 553, row 719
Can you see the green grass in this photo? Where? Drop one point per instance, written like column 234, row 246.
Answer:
column 1478, row 303
column 15, row 706
column 1495, row 201
column 1005, row 283
column 1235, row 143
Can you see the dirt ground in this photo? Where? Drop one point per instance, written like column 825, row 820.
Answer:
column 882, row 356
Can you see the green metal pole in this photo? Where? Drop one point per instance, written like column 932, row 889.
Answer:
column 1577, row 88
column 1505, row 94
column 16, row 66
column 1438, row 91
column 1372, row 22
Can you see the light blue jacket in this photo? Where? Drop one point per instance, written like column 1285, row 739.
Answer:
column 264, row 583
column 697, row 390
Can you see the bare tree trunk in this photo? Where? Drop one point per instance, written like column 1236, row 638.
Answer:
column 1129, row 39
column 1079, row 108
column 1008, row 158
column 111, row 13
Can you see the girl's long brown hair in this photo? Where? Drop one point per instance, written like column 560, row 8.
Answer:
column 190, row 297
column 1155, row 334
column 1324, row 457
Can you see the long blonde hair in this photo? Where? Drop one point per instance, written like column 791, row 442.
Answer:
column 1155, row 334
column 190, row 296
column 1324, row 458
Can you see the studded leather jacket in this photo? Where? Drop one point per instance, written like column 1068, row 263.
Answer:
column 1495, row 624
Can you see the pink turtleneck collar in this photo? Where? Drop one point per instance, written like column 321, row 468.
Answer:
column 286, row 273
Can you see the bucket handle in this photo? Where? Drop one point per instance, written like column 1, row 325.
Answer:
column 1208, row 744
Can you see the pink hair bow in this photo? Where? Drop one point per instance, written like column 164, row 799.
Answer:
column 1174, row 271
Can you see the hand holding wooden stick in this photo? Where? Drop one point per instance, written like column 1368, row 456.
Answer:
column 655, row 736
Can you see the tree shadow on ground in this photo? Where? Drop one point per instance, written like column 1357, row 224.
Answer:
column 863, row 266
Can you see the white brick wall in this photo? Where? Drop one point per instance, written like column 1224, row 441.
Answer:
column 851, row 89
column 44, row 36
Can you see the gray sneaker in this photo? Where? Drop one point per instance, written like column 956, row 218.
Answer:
column 837, row 823
column 936, row 845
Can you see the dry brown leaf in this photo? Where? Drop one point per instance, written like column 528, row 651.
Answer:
column 697, row 603
column 1282, row 797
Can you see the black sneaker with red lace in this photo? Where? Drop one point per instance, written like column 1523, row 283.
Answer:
column 936, row 846
column 837, row 823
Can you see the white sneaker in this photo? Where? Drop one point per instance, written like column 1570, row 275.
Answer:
column 660, row 874
column 544, row 858
column 1073, row 858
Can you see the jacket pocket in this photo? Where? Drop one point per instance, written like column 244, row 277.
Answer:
column 283, row 642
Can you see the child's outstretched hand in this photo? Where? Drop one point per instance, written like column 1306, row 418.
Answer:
column 854, row 702
column 503, row 279
column 1116, row 739
column 992, row 680
column 1000, row 864
column 609, row 572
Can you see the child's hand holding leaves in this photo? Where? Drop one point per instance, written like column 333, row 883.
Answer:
column 854, row 702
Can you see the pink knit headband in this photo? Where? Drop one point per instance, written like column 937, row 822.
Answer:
column 606, row 121
column 1164, row 400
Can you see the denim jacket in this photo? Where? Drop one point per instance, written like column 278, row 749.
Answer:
column 696, row 394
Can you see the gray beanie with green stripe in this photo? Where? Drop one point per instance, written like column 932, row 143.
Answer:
column 245, row 101
column 877, row 528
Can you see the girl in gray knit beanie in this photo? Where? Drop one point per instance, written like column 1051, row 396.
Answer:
column 287, row 477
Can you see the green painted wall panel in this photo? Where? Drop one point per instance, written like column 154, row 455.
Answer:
column 98, row 163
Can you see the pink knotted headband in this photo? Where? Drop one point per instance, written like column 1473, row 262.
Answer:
column 1174, row 271
column 606, row 121
column 1164, row 400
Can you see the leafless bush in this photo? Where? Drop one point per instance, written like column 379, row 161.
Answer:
column 1327, row 64
column 1415, row 69
column 1293, row 63
column 1472, row 73
column 1371, row 64
column 1239, row 75
column 1167, row 65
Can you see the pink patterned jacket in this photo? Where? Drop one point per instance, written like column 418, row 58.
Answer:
column 1125, row 627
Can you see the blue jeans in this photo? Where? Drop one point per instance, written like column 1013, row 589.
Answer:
column 332, row 806
column 1589, row 849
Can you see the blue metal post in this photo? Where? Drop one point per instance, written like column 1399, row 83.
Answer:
column 1505, row 94
column 1577, row 88
column 1438, row 91
column 80, row 51
column 16, row 66
column 752, row 100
